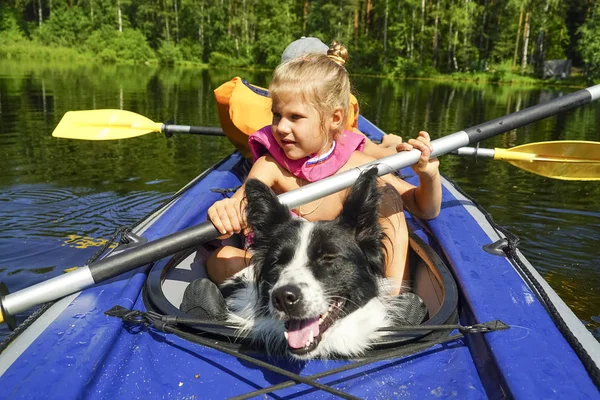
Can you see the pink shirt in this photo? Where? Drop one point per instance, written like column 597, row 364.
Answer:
column 309, row 168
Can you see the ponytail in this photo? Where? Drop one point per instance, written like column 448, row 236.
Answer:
column 337, row 53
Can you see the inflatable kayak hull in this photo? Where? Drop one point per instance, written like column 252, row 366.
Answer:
column 73, row 350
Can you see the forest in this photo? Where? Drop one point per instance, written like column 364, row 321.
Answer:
column 401, row 38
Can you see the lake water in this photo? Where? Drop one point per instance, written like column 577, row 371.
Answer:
column 60, row 199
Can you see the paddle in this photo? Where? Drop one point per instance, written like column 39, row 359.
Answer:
column 561, row 159
column 119, row 124
column 86, row 276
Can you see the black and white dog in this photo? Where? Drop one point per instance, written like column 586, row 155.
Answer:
column 314, row 289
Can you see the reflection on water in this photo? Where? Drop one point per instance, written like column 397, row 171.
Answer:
column 59, row 199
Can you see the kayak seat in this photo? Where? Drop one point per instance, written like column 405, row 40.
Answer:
column 202, row 299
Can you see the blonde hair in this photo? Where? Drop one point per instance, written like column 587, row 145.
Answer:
column 318, row 79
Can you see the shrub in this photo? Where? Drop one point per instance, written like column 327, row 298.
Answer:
column 404, row 67
column 168, row 53
column 190, row 50
column 224, row 60
column 108, row 56
column 111, row 45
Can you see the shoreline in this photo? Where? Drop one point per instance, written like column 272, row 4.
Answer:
column 29, row 51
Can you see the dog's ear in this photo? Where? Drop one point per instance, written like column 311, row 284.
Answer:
column 361, row 207
column 263, row 210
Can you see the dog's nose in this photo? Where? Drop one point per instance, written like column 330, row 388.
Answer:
column 285, row 298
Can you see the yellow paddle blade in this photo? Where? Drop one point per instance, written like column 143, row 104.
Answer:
column 104, row 125
column 561, row 159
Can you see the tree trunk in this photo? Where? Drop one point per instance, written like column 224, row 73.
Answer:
column 454, row 50
column 167, row 28
column 338, row 33
column 119, row 18
column 435, row 33
column 229, row 19
column 208, row 22
column 368, row 16
column 539, row 57
column 356, row 12
column 466, row 39
column 245, row 39
column 176, row 21
column 305, row 16
column 40, row 14
column 516, row 53
column 349, row 25
column 525, row 42
column 385, row 27
column 201, row 29
column 450, row 45
column 422, row 30
column 482, row 35
column 412, row 36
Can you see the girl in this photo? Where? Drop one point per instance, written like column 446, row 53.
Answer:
column 306, row 142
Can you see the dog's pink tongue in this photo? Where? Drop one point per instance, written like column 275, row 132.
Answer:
column 299, row 332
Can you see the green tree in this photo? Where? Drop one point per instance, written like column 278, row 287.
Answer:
column 589, row 44
column 412, row 37
column 66, row 26
column 275, row 33
column 9, row 28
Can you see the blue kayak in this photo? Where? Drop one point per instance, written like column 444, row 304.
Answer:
column 468, row 271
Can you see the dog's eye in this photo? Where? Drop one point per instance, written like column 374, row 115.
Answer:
column 284, row 256
column 328, row 259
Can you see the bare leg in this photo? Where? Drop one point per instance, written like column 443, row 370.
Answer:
column 394, row 225
column 225, row 262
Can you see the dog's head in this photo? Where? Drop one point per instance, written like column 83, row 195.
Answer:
column 310, row 276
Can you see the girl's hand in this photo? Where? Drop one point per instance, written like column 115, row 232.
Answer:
column 391, row 140
column 426, row 166
column 227, row 216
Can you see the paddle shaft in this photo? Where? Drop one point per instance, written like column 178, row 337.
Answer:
column 108, row 267
column 169, row 130
column 510, row 155
column 475, row 151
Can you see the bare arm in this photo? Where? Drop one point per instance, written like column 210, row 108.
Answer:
column 387, row 147
column 228, row 215
column 424, row 201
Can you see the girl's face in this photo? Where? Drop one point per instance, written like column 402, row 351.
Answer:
column 297, row 127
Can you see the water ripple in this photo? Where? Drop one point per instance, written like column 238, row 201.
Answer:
column 41, row 210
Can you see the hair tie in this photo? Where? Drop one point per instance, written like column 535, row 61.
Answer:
column 336, row 59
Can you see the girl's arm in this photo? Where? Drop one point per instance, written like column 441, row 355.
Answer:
column 387, row 147
column 229, row 215
column 425, row 200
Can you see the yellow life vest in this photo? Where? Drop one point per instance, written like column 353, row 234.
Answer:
column 244, row 108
